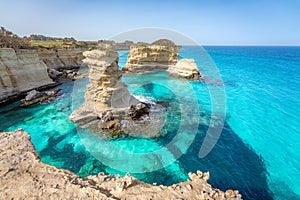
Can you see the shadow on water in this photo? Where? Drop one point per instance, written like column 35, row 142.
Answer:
column 72, row 160
column 231, row 163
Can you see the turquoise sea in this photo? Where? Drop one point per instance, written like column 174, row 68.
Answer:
column 256, row 153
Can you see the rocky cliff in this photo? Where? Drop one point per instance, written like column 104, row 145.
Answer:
column 150, row 58
column 24, row 176
column 21, row 71
column 108, row 104
column 64, row 58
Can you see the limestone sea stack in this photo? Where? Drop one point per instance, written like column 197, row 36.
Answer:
column 108, row 104
column 186, row 68
column 143, row 58
column 161, row 55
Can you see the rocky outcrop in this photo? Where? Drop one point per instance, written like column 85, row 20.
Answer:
column 150, row 58
column 108, row 104
column 24, row 176
column 186, row 68
column 33, row 97
column 21, row 71
column 159, row 56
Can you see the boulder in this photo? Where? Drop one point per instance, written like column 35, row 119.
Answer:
column 33, row 94
column 33, row 97
column 54, row 74
column 185, row 68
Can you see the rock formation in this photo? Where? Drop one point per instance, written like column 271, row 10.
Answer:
column 24, row 176
column 21, row 71
column 108, row 104
column 33, row 97
column 186, row 68
column 150, row 58
column 161, row 55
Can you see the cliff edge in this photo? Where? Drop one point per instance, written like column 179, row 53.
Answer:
column 24, row 176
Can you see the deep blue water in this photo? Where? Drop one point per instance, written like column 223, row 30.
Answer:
column 257, row 152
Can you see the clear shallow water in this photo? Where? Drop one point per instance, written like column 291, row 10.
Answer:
column 257, row 152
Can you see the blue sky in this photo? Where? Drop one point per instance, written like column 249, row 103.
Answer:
column 210, row 22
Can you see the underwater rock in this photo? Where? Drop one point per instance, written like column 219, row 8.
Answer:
column 24, row 176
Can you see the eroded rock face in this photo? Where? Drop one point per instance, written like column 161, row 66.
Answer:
column 108, row 104
column 24, row 176
column 21, row 71
column 186, row 68
column 150, row 58
column 159, row 56
column 67, row 58
column 105, row 81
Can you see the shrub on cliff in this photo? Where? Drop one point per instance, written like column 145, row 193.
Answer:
column 10, row 40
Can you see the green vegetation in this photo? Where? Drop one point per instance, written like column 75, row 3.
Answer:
column 59, row 44
column 35, row 37
column 46, row 44
column 10, row 40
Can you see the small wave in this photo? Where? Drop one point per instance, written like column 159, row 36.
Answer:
column 145, row 99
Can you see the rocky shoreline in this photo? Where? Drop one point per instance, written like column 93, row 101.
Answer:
column 23, row 70
column 24, row 176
